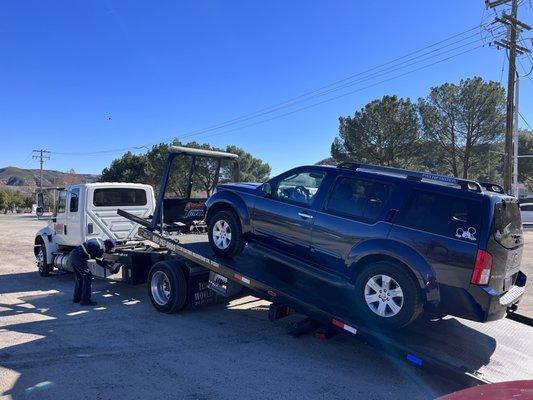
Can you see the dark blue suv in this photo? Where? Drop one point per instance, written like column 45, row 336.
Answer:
column 406, row 241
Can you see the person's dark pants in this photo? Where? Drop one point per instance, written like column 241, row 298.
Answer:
column 84, row 277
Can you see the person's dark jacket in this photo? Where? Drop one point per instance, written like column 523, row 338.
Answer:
column 94, row 249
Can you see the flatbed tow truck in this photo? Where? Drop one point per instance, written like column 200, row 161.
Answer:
column 468, row 352
column 182, row 272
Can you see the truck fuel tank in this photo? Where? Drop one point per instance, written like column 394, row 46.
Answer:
column 61, row 261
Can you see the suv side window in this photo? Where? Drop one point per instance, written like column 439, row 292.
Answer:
column 441, row 214
column 299, row 188
column 359, row 199
column 74, row 200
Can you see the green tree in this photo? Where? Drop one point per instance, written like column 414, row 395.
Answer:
column 129, row 168
column 251, row 169
column 148, row 168
column 462, row 120
column 28, row 201
column 3, row 200
column 525, row 165
column 384, row 132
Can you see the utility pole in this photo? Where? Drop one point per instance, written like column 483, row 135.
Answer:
column 515, row 137
column 41, row 155
column 514, row 27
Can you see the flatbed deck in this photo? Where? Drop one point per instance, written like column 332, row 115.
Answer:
column 451, row 347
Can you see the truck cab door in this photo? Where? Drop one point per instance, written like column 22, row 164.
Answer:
column 60, row 218
column 74, row 224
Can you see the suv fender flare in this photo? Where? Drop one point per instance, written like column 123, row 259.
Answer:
column 46, row 234
column 227, row 200
column 380, row 249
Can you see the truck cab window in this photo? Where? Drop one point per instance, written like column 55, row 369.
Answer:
column 116, row 197
column 62, row 202
column 74, row 200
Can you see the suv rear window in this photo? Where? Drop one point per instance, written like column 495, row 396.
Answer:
column 441, row 214
column 507, row 223
column 359, row 199
column 112, row 197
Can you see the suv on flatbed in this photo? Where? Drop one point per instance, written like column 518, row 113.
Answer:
column 406, row 241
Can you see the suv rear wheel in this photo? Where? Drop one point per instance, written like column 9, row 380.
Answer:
column 387, row 295
column 225, row 234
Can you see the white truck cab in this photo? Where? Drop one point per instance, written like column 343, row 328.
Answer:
column 88, row 211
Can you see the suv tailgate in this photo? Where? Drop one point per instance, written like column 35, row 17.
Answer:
column 505, row 244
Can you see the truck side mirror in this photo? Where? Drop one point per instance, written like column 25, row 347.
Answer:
column 267, row 189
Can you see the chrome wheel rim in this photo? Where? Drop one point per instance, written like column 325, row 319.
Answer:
column 384, row 296
column 221, row 234
column 160, row 288
column 40, row 260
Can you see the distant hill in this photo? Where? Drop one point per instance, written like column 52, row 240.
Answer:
column 27, row 180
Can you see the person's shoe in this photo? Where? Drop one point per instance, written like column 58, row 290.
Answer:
column 88, row 303
column 76, row 300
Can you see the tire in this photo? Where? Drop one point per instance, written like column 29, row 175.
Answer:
column 225, row 234
column 382, row 308
column 167, row 287
column 42, row 263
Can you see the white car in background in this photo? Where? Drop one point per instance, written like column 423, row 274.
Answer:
column 526, row 212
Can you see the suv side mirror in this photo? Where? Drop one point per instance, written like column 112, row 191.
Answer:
column 267, row 189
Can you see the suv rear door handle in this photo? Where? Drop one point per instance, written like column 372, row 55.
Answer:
column 305, row 215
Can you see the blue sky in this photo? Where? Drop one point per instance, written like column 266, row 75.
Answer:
column 163, row 69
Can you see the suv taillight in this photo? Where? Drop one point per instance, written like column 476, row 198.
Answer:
column 482, row 268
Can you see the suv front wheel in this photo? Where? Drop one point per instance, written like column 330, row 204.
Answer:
column 225, row 234
column 387, row 295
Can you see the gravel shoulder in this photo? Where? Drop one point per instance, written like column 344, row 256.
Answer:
column 123, row 349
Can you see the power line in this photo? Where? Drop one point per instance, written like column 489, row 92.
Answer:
column 332, row 90
column 99, row 152
column 369, row 74
column 525, row 121
column 342, row 95
column 524, row 68
column 26, row 161
column 503, row 67
column 333, row 87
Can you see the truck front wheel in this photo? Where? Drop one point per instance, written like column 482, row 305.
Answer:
column 167, row 287
column 42, row 263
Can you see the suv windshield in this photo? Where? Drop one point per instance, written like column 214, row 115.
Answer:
column 507, row 223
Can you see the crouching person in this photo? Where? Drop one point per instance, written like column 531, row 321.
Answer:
column 92, row 249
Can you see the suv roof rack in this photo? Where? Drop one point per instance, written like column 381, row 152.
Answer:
column 464, row 184
column 492, row 187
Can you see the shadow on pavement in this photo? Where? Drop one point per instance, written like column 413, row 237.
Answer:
column 123, row 348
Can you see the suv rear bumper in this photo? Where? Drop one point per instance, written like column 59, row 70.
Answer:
column 484, row 303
